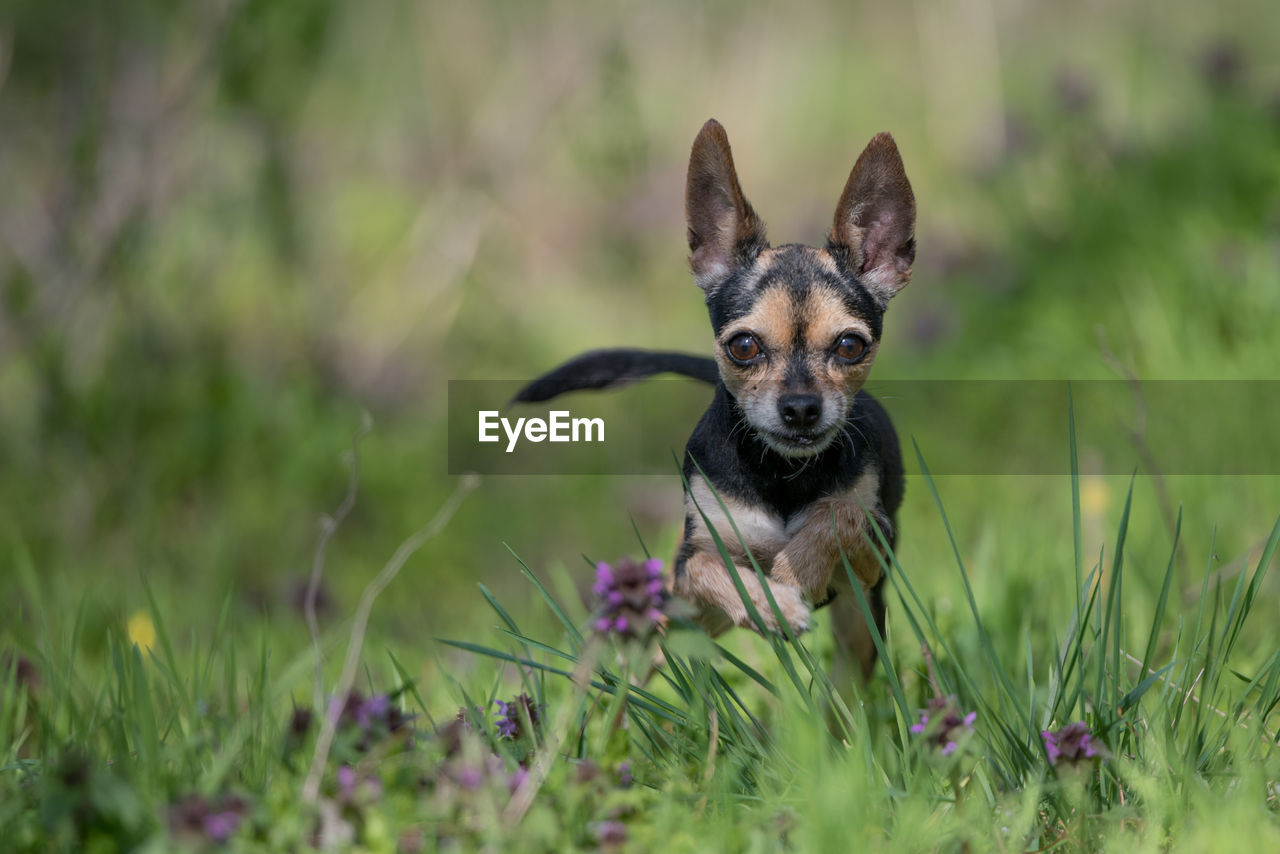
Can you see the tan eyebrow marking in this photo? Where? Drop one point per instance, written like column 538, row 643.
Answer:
column 828, row 317
column 772, row 318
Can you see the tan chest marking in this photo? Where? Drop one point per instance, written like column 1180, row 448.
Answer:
column 762, row 531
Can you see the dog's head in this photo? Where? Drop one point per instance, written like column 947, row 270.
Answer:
column 797, row 327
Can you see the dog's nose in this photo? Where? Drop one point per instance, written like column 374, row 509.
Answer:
column 800, row 410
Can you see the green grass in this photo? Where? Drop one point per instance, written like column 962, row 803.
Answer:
column 343, row 210
column 714, row 752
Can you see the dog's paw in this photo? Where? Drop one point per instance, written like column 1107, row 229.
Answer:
column 795, row 610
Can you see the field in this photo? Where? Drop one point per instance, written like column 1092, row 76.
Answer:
column 246, row 246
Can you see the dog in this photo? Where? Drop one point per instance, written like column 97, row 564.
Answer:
column 804, row 460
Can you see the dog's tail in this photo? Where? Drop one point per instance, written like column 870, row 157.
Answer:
column 602, row 369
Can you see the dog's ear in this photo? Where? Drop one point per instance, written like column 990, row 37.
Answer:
column 724, row 232
column 876, row 219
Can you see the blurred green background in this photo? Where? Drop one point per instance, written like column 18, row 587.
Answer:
column 231, row 228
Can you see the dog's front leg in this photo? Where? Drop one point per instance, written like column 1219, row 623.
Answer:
column 811, row 561
column 703, row 579
column 812, row 556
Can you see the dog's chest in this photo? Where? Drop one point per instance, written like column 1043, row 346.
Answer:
column 763, row 530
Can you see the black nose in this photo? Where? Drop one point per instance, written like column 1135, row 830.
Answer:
column 800, row 410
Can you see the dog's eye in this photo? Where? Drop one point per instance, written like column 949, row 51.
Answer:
column 851, row 348
column 742, row 348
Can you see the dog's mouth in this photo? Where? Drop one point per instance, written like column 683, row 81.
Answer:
column 796, row 444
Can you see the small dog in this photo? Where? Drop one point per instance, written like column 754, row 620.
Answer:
column 794, row 448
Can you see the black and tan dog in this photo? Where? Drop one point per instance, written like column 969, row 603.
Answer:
column 798, row 453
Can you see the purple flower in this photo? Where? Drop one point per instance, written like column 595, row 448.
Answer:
column 217, row 819
column 633, row 598
column 624, row 773
column 470, row 777
column 373, row 709
column 346, row 778
column 610, row 833
column 1072, row 743
column 375, row 717
column 220, row 826
column 354, row 788
column 511, row 716
column 516, row 778
column 486, row 771
column 943, row 725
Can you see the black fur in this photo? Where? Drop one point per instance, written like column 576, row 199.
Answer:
column 603, row 369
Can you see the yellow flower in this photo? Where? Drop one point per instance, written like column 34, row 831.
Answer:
column 1095, row 495
column 142, row 632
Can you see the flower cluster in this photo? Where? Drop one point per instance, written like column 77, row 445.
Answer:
column 633, row 598
column 611, row 834
column 217, row 820
column 371, row 717
column 466, row 772
column 477, row 773
column 944, row 725
column 511, row 716
column 1071, row 743
column 354, row 788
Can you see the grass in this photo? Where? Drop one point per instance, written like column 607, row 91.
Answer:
column 187, row 349
column 716, row 751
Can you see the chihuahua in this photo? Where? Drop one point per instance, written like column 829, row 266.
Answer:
column 802, row 459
